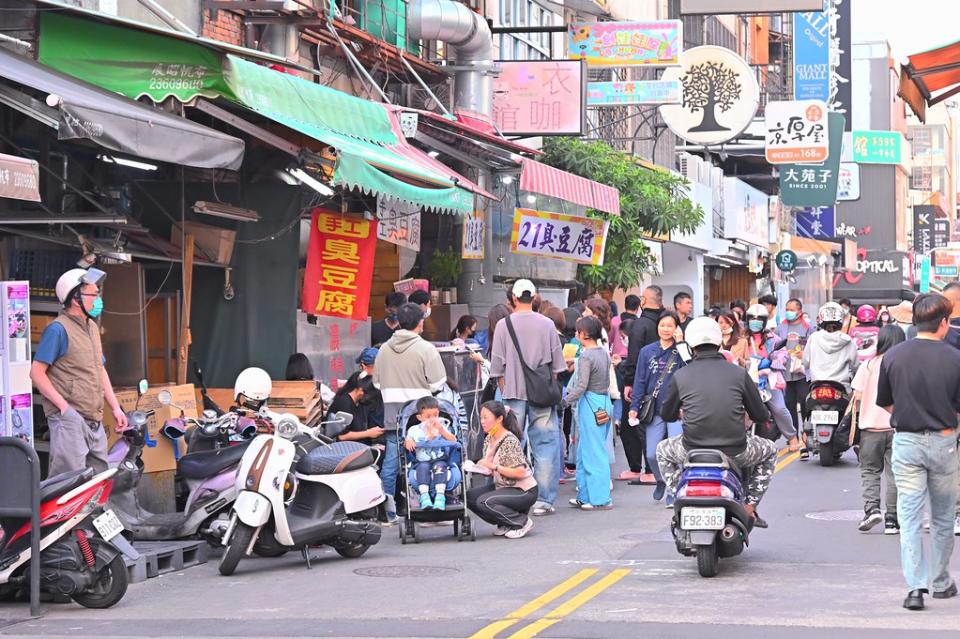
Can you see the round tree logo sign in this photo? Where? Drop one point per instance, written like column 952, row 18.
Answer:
column 720, row 96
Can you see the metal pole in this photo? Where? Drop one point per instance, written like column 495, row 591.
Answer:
column 424, row 85
column 35, row 537
column 167, row 17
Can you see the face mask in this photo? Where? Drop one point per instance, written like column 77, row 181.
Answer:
column 97, row 308
column 756, row 325
column 791, row 316
column 727, row 331
column 392, row 318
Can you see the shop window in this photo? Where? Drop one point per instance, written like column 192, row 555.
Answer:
column 524, row 46
column 921, row 178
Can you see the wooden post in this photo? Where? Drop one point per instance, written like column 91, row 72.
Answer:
column 185, row 339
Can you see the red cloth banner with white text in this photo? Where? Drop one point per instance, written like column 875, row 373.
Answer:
column 339, row 265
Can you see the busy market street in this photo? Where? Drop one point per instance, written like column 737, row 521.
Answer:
column 810, row 575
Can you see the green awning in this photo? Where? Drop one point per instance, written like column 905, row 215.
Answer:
column 145, row 64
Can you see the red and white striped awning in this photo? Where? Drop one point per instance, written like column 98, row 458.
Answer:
column 537, row 177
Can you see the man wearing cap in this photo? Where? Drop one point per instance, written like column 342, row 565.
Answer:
column 406, row 368
column 537, row 339
column 373, row 401
column 68, row 370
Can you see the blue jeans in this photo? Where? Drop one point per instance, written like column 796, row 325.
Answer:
column 391, row 464
column 926, row 464
column 543, row 435
column 657, row 431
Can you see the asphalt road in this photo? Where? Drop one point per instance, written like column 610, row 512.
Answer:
column 578, row 574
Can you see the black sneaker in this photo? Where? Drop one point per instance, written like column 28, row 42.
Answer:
column 870, row 520
column 891, row 527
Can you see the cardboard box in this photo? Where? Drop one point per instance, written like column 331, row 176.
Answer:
column 38, row 323
column 160, row 457
column 211, row 242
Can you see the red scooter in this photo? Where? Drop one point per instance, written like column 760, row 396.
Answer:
column 81, row 548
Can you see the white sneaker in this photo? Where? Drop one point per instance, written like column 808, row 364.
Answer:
column 956, row 525
column 543, row 509
column 501, row 531
column 520, row 532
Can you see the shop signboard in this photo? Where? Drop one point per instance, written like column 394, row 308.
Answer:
column 16, row 401
column 719, row 98
column 626, row 44
column 848, row 182
column 540, row 97
column 923, row 217
column 816, row 222
column 925, row 274
column 634, row 92
column 19, row 178
column 941, row 233
column 398, row 222
column 722, row 7
column 841, row 60
column 339, row 272
column 814, row 184
column 474, row 233
column 811, row 56
column 565, row 237
column 745, row 212
column 786, row 261
column 877, row 147
column 796, row 131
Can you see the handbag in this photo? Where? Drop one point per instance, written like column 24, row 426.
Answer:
column 543, row 389
column 648, row 405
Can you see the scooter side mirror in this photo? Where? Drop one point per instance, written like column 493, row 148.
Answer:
column 165, row 397
column 142, row 387
column 343, row 419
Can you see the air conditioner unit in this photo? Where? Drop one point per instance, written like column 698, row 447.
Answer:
column 691, row 167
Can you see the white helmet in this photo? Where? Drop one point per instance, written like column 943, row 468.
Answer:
column 830, row 312
column 758, row 310
column 703, row 330
column 75, row 278
column 253, row 383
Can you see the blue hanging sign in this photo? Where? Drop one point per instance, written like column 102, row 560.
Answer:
column 811, row 56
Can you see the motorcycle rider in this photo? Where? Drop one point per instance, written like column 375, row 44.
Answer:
column 714, row 396
column 69, row 371
column 766, row 362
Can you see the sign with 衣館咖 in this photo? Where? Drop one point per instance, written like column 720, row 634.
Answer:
column 625, row 44
column 796, row 131
column 877, row 147
column 398, row 223
column 814, row 184
column 633, row 92
column 474, row 232
column 339, row 270
column 564, row 237
column 540, row 97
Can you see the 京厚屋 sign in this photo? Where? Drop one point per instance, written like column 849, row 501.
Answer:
column 877, row 147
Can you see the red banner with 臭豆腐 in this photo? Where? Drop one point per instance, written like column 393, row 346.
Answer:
column 339, row 265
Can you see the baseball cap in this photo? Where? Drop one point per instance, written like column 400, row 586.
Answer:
column 524, row 287
column 368, row 356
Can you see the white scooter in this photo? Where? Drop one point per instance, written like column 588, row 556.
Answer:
column 298, row 488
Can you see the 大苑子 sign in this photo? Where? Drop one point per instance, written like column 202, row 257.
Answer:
column 540, row 97
column 634, row 92
column 719, row 96
column 398, row 223
column 474, row 232
column 814, row 184
column 565, row 237
column 339, row 270
column 796, row 131
column 624, row 44
column 877, row 147
column 811, row 56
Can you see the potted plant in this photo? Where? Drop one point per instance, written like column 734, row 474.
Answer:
column 444, row 272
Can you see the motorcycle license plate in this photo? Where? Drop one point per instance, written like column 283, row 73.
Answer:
column 825, row 417
column 108, row 525
column 693, row 518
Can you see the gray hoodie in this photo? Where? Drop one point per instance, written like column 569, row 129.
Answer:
column 830, row 357
column 407, row 368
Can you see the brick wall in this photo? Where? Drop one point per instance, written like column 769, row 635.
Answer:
column 228, row 26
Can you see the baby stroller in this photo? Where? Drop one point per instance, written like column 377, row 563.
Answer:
column 456, row 509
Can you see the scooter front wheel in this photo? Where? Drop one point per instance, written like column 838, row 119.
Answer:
column 236, row 548
column 708, row 562
column 109, row 587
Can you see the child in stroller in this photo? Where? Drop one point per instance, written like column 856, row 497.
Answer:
column 430, row 430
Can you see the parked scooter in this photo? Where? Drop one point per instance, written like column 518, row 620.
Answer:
column 81, row 549
column 298, row 488
column 827, row 405
column 710, row 520
column 205, row 478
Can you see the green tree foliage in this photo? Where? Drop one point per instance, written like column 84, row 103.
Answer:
column 652, row 202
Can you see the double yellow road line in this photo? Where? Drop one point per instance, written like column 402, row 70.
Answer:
column 556, row 614
column 785, row 458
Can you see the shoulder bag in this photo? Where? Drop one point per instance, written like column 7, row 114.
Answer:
column 543, row 389
column 648, row 405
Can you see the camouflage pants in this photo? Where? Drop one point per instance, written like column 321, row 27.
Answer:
column 757, row 462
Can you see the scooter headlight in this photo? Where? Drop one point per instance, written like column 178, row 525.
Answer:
column 287, row 428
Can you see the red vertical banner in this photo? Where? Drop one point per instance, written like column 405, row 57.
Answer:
column 339, row 265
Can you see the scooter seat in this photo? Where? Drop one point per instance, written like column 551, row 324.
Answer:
column 207, row 463
column 61, row 484
column 338, row 457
